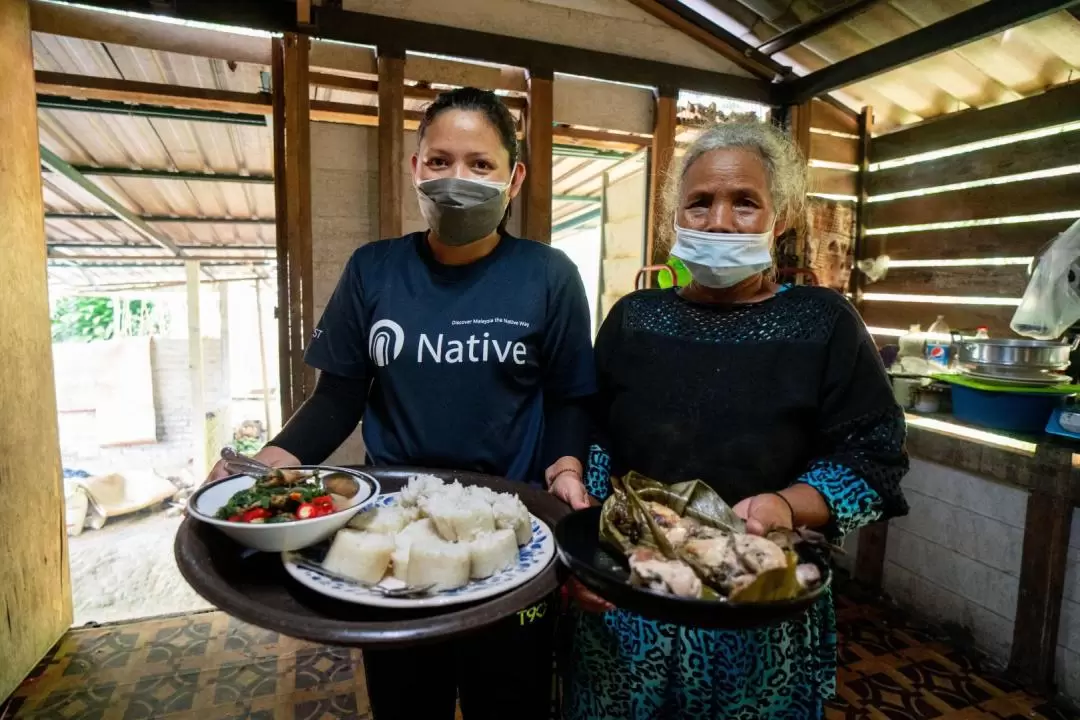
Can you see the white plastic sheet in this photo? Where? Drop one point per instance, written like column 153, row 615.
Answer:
column 1051, row 303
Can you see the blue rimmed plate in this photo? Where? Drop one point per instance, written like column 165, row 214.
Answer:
column 532, row 560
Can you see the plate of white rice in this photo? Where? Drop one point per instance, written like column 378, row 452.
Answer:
column 470, row 542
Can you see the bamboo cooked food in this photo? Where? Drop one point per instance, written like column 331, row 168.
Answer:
column 684, row 540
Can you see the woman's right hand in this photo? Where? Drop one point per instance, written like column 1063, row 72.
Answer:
column 270, row 455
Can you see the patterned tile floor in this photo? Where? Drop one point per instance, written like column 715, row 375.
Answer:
column 209, row 666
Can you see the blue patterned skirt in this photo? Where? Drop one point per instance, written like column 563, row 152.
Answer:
column 621, row 666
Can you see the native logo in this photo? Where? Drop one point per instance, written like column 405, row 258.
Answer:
column 385, row 342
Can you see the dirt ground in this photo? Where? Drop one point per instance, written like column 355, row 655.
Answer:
column 126, row 571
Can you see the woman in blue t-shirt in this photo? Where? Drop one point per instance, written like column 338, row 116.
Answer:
column 460, row 347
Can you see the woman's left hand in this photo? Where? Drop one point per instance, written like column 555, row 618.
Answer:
column 564, row 482
column 765, row 512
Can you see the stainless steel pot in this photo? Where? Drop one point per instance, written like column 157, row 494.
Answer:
column 1013, row 353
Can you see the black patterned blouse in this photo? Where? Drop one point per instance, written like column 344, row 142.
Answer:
column 749, row 398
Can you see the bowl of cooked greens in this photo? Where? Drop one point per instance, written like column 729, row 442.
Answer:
column 285, row 509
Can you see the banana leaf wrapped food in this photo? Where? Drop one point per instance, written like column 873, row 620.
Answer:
column 683, row 539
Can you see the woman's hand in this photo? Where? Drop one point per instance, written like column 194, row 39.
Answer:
column 269, row 455
column 765, row 512
column 586, row 599
column 799, row 505
column 564, row 482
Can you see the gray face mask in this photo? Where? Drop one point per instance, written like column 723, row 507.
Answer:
column 459, row 210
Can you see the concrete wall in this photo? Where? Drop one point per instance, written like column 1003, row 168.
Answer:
column 956, row 558
column 172, row 405
column 614, row 26
column 624, row 238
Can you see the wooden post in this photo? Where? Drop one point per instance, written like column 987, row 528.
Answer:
column 663, row 151
column 224, row 412
column 538, row 130
column 296, row 184
column 195, row 371
column 281, row 222
column 270, row 432
column 391, row 140
column 35, row 604
column 870, row 555
column 1042, row 567
column 862, row 183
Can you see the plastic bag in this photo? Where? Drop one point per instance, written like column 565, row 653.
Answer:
column 874, row 269
column 1051, row 303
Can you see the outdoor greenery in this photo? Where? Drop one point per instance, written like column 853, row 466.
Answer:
column 78, row 318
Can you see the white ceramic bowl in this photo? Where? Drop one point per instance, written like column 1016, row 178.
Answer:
column 280, row 537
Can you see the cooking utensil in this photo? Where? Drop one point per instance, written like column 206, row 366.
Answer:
column 1016, row 353
column 338, row 483
column 607, row 575
column 1042, row 379
column 398, row 592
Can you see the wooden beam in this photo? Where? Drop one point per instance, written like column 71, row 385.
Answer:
column 663, row 152
column 36, row 601
column 798, row 128
column 391, row 141
column 60, row 166
column 815, row 26
column 1055, row 106
column 128, row 91
column 1043, row 567
column 372, row 29
column 145, row 32
column 414, row 92
column 960, row 29
column 97, row 88
column 298, row 210
column 692, row 24
column 281, row 203
column 196, row 379
column 862, row 191
column 539, row 145
column 263, row 374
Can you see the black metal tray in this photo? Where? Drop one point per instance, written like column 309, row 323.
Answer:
column 608, row 575
column 255, row 587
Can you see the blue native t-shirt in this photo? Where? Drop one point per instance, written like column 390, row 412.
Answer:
column 460, row 358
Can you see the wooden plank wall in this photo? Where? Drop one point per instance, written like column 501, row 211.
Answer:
column 35, row 593
column 975, row 205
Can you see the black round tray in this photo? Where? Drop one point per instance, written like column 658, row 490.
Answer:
column 255, row 587
column 607, row 574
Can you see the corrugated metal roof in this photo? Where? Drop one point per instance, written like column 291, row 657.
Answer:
column 107, row 140
column 1017, row 63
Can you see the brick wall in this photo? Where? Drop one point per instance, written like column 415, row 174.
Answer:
column 956, row 556
column 172, row 405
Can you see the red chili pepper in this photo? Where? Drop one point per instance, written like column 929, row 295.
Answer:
column 323, row 501
column 236, row 518
column 306, row 511
column 255, row 515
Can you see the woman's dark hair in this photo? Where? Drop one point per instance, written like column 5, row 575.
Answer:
column 481, row 101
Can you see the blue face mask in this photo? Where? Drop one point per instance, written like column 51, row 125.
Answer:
column 720, row 260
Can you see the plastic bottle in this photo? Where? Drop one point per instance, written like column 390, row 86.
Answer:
column 912, row 343
column 938, row 343
column 982, row 333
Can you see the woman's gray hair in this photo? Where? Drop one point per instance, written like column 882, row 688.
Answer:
column 785, row 168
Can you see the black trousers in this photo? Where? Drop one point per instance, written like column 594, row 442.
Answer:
column 503, row 672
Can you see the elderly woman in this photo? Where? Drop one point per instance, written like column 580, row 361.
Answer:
column 773, row 395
